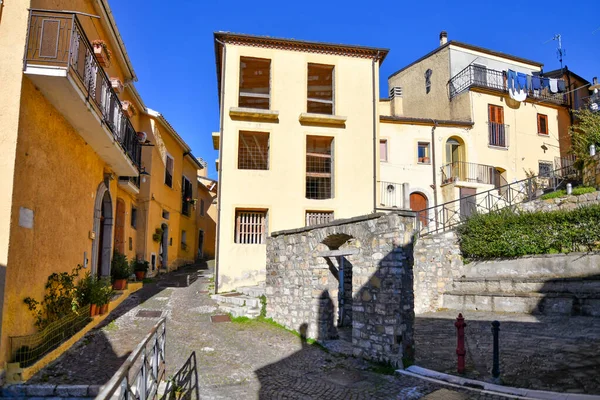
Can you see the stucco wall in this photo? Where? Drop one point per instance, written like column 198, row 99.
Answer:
column 281, row 189
column 208, row 221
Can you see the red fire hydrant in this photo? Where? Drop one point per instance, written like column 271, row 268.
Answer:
column 460, row 342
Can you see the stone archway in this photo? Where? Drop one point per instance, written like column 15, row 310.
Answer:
column 103, row 225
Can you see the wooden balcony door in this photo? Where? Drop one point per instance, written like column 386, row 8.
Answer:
column 120, row 227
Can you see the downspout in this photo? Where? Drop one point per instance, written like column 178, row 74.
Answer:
column 433, row 168
column 375, row 120
column 220, row 178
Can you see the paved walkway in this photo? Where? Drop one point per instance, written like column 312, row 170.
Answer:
column 538, row 352
column 252, row 360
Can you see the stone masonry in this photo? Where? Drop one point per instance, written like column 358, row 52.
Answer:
column 305, row 267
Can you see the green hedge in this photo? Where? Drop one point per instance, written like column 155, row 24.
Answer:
column 561, row 193
column 506, row 233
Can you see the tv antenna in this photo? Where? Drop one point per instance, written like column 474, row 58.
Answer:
column 560, row 52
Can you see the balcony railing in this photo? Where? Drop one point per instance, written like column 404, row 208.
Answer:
column 470, row 172
column 57, row 40
column 497, row 134
column 476, row 76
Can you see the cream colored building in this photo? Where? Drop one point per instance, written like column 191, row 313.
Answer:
column 450, row 128
column 297, row 142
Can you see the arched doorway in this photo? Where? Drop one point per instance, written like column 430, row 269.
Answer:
column 418, row 202
column 103, row 224
column 455, row 167
column 120, row 227
column 163, row 248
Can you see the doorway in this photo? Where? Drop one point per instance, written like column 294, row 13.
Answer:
column 418, row 202
column 103, row 225
column 455, row 168
column 468, row 205
column 200, row 244
column 163, row 249
column 120, row 227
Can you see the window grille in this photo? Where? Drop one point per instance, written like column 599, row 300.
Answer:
column 318, row 217
column 250, row 226
column 319, row 167
column 545, row 168
column 253, row 150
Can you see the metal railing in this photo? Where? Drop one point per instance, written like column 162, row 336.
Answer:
column 139, row 377
column 482, row 77
column 470, row 172
column 498, row 134
column 184, row 384
column 448, row 215
column 133, row 179
column 391, row 195
column 57, row 39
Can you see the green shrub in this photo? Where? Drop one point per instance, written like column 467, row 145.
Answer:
column 583, row 190
column 506, row 233
column 554, row 195
column 578, row 191
column 119, row 267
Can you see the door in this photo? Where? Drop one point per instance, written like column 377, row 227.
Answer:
column 468, row 204
column 418, row 202
column 497, row 133
column 200, row 244
column 120, row 227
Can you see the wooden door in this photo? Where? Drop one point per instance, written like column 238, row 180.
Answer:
column 120, row 227
column 418, row 202
column 468, row 204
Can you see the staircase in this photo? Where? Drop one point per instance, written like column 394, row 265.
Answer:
column 245, row 302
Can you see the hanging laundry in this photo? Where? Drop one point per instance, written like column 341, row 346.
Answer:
column 561, row 86
column 536, row 83
column 521, row 95
column 511, row 78
column 522, row 80
column 529, row 82
column 554, row 85
column 545, row 83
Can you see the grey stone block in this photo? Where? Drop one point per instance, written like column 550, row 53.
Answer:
column 43, row 390
column 72, row 390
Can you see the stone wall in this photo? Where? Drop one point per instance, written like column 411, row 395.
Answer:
column 561, row 203
column 374, row 255
column 438, row 262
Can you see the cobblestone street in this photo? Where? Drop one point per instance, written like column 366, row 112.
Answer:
column 249, row 360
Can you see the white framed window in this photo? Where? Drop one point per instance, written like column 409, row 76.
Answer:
column 318, row 217
column 250, row 226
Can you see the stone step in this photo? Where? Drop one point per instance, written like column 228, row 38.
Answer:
column 252, row 291
column 240, row 311
column 532, row 303
column 588, row 285
column 236, row 299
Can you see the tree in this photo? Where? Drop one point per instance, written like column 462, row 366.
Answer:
column 583, row 134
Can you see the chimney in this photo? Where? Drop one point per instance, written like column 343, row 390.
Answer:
column 396, row 101
column 443, row 38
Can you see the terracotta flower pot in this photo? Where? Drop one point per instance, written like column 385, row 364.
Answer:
column 140, row 275
column 93, row 310
column 101, row 55
column 120, row 284
column 103, row 309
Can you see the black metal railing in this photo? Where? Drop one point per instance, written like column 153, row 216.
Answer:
column 135, row 180
column 470, row 172
column 57, row 39
column 498, row 134
column 482, row 77
column 448, row 215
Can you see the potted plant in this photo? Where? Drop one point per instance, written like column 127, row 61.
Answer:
column 102, row 52
column 128, row 108
column 95, row 296
column 157, row 235
column 141, row 268
column 105, row 294
column 116, row 84
column 120, row 271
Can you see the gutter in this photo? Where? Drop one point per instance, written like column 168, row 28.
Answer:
column 433, row 168
column 221, row 85
column 375, row 121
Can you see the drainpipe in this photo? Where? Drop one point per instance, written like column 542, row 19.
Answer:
column 220, row 179
column 433, row 168
column 375, row 120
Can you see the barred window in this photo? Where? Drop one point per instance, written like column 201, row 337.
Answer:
column 319, row 167
column 253, row 150
column 318, row 217
column 320, row 89
column 255, row 80
column 250, row 226
column 545, row 168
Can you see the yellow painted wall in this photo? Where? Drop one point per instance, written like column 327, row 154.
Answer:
column 281, row 189
column 188, row 223
column 57, row 175
column 129, row 230
column 208, row 221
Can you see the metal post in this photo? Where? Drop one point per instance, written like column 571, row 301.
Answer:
column 460, row 342
column 496, row 356
column 529, row 189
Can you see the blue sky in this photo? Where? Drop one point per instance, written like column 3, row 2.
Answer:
column 171, row 43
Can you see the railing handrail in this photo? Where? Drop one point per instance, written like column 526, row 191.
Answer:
column 467, row 163
column 122, row 373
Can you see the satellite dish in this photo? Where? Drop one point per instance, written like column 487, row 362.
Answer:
column 142, row 136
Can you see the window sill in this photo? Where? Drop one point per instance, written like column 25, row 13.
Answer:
column 253, row 114
column 498, row 147
column 543, row 134
column 323, row 120
column 423, row 163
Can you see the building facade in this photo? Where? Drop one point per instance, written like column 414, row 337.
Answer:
column 298, row 138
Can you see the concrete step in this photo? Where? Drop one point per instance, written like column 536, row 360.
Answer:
column 252, row 291
column 240, row 311
column 237, row 299
column 528, row 302
column 587, row 285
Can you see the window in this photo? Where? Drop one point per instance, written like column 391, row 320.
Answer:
column 134, row 217
column 183, row 240
column 130, row 243
column 187, row 195
column 253, row 150
column 250, row 226
column 496, row 128
column 169, row 171
column 383, row 150
column 542, row 123
column 423, row 153
column 201, row 207
column 255, row 80
column 545, row 168
column 320, row 89
column 165, row 214
column 318, row 217
column 319, row 167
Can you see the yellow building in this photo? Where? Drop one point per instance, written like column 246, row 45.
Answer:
column 74, row 135
column 450, row 129
column 206, row 216
column 299, row 126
